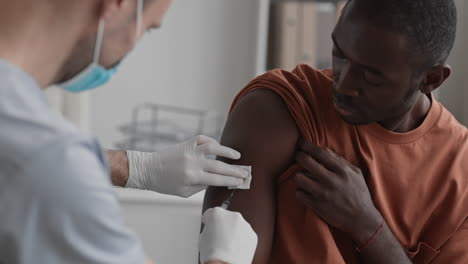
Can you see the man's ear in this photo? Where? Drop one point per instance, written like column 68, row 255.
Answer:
column 435, row 78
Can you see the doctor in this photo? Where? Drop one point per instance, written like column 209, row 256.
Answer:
column 56, row 200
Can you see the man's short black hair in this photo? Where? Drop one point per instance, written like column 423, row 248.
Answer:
column 431, row 25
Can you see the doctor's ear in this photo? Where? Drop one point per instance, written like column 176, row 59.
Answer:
column 111, row 8
column 435, row 78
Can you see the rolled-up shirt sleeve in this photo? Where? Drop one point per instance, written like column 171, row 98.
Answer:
column 64, row 210
column 455, row 250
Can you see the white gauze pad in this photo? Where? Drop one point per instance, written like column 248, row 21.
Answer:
column 247, row 181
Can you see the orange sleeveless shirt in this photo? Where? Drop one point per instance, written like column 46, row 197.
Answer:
column 418, row 180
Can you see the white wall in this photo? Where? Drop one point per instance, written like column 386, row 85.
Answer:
column 462, row 55
column 167, row 226
column 454, row 93
column 206, row 51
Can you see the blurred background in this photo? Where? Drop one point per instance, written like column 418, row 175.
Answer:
column 181, row 80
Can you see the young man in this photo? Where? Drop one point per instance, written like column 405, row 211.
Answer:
column 358, row 164
column 56, row 200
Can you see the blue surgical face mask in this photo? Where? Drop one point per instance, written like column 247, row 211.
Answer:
column 96, row 75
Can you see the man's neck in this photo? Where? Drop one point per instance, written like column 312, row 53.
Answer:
column 37, row 39
column 412, row 119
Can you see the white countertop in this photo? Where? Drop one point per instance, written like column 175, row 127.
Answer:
column 131, row 195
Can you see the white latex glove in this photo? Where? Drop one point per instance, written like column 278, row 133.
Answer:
column 226, row 237
column 184, row 169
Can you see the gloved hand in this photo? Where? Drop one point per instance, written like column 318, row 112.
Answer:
column 184, row 169
column 226, row 237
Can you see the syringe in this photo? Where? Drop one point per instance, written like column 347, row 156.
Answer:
column 227, row 202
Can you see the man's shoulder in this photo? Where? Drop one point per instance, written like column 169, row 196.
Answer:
column 264, row 112
column 65, row 189
column 51, row 166
column 454, row 131
column 19, row 137
column 304, row 93
column 303, row 70
column 44, row 147
column 29, row 126
column 36, row 144
column 453, row 142
column 262, row 128
column 64, row 159
column 301, row 76
column 304, row 84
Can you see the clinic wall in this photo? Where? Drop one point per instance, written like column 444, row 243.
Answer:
column 463, row 58
column 167, row 228
column 453, row 94
column 206, row 51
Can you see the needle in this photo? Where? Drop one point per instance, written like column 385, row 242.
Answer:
column 227, row 202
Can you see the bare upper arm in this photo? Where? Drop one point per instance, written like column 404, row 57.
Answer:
column 262, row 129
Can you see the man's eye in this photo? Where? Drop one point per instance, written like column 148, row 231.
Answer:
column 372, row 78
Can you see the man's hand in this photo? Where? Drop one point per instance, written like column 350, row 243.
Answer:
column 185, row 169
column 226, row 237
column 337, row 192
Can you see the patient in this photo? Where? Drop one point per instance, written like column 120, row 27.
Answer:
column 375, row 109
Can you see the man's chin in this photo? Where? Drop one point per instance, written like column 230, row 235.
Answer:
column 355, row 121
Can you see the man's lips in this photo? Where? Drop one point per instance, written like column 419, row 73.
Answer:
column 340, row 103
column 342, row 109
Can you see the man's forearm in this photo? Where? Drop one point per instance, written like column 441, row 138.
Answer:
column 384, row 249
column 118, row 164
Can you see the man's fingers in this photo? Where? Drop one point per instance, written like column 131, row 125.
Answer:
column 305, row 197
column 310, row 196
column 217, row 180
column 306, row 146
column 219, row 167
column 317, row 170
column 326, row 157
column 214, row 148
column 310, row 202
column 307, row 184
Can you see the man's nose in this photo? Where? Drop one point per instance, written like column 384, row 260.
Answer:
column 346, row 83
